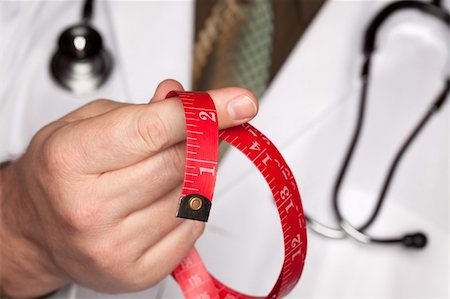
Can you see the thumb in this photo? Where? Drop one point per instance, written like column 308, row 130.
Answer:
column 130, row 134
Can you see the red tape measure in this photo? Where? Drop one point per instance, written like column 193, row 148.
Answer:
column 202, row 141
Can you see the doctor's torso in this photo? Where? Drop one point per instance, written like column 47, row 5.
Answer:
column 308, row 112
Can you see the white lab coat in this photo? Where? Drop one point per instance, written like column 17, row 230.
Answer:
column 308, row 111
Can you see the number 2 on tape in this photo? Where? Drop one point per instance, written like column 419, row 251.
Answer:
column 202, row 140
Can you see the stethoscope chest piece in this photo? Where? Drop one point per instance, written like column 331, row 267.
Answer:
column 80, row 64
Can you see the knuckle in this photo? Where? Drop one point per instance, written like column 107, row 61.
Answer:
column 39, row 138
column 56, row 154
column 149, row 273
column 109, row 259
column 53, row 156
column 101, row 257
column 153, row 131
column 98, row 103
column 134, row 282
column 81, row 219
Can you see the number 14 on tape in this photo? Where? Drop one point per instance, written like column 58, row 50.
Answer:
column 202, row 139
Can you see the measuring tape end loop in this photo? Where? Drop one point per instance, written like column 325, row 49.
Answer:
column 194, row 207
column 202, row 139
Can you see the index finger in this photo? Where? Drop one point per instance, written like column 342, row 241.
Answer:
column 132, row 133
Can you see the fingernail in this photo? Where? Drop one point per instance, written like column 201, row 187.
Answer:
column 241, row 108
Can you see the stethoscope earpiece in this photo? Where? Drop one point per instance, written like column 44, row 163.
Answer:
column 80, row 64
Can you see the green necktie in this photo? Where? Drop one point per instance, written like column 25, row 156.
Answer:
column 234, row 47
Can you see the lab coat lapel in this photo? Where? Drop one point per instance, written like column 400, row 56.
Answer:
column 310, row 84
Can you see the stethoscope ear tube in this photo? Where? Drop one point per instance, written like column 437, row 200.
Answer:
column 432, row 9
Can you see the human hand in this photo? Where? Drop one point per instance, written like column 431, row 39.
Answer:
column 93, row 200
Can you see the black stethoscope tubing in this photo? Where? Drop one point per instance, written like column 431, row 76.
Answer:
column 413, row 240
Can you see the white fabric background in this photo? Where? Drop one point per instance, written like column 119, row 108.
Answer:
column 308, row 112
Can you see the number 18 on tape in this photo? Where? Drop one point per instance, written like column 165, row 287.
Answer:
column 202, row 140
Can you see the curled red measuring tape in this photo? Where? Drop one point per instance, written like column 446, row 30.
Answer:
column 202, row 141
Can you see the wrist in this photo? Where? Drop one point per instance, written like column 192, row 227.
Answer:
column 26, row 269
